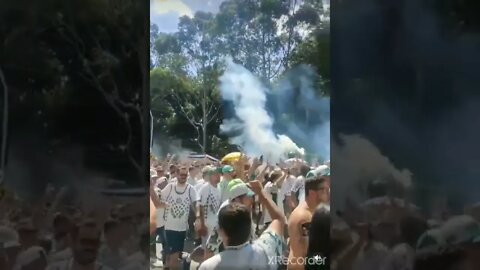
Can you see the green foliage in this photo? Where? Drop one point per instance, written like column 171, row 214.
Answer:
column 59, row 55
column 266, row 36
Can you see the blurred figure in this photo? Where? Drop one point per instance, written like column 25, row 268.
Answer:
column 235, row 226
column 317, row 191
column 402, row 256
column 239, row 192
column 318, row 250
column 62, row 227
column 454, row 245
column 28, row 233
column 33, row 258
column 9, row 247
column 110, row 253
column 141, row 259
column 227, row 175
column 209, row 204
column 85, row 246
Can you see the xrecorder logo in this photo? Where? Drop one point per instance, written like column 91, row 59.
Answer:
column 282, row 260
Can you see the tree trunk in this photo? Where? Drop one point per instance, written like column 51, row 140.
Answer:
column 204, row 120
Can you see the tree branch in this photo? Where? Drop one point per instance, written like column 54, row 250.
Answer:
column 111, row 99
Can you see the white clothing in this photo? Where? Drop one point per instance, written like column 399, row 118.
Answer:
column 222, row 187
column 269, row 189
column 210, row 201
column 137, row 261
column 372, row 257
column 179, row 202
column 106, row 256
column 401, row 258
column 199, row 185
column 160, row 212
column 191, row 180
column 299, row 186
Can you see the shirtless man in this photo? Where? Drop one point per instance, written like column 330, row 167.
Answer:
column 317, row 191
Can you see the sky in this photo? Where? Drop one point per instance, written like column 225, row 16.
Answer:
column 165, row 13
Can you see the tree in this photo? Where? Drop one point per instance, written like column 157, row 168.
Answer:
column 58, row 53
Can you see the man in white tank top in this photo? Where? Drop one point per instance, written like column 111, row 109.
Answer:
column 180, row 198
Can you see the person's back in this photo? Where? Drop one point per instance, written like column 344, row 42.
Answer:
column 235, row 226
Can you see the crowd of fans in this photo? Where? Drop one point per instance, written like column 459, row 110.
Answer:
column 58, row 232
column 244, row 214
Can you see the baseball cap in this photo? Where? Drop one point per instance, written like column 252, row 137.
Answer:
column 214, row 170
column 322, row 170
column 227, row 169
column 237, row 188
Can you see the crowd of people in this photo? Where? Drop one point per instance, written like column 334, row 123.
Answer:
column 245, row 214
column 59, row 232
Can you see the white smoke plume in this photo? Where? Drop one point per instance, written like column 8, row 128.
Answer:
column 358, row 161
column 252, row 126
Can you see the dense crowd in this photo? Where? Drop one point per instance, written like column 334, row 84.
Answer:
column 59, row 233
column 243, row 214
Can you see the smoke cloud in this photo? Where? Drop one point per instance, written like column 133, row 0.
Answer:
column 358, row 161
column 252, row 126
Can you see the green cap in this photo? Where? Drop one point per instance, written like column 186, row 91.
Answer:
column 237, row 188
column 211, row 170
column 227, row 169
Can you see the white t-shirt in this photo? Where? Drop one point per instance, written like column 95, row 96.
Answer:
column 210, row 201
column 199, row 185
column 371, row 257
column 269, row 189
column 263, row 253
column 191, row 180
column 299, row 186
column 285, row 190
column 222, row 187
column 160, row 212
column 179, row 201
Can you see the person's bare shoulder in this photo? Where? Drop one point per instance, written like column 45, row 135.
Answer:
column 299, row 216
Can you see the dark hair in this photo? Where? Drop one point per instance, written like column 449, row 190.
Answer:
column 85, row 224
column 236, row 221
column 439, row 259
column 60, row 219
column 319, row 236
column 411, row 228
column 110, row 225
column 312, row 184
column 304, row 169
